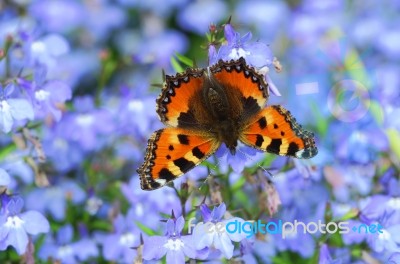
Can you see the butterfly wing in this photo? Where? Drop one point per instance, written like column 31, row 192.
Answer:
column 171, row 152
column 176, row 101
column 246, row 89
column 275, row 130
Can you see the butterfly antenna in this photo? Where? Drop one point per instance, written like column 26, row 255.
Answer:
column 258, row 163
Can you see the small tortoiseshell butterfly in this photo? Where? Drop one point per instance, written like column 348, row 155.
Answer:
column 203, row 108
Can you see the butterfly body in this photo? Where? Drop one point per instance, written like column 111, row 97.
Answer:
column 222, row 104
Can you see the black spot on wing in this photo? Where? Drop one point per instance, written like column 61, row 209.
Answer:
column 250, row 106
column 168, row 157
column 197, row 153
column 183, row 139
column 275, row 126
column 166, row 174
column 171, row 147
column 184, row 164
column 292, row 149
column 259, row 141
column 262, row 122
column 275, row 145
column 186, row 120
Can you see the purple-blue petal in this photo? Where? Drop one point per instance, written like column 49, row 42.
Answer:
column 35, row 222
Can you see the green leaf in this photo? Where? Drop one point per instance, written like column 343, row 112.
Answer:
column 185, row 60
column 377, row 112
column 6, row 151
column 175, row 65
column 145, row 229
column 394, row 141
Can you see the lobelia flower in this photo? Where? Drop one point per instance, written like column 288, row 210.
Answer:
column 256, row 54
column 4, row 178
column 15, row 226
column 325, row 257
column 46, row 96
column 12, row 109
column 210, row 236
column 117, row 246
column 65, row 250
column 173, row 244
column 55, row 199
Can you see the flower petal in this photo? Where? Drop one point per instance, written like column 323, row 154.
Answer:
column 35, row 222
column 202, row 237
column 224, row 244
column 154, row 247
column 17, row 238
column 4, row 178
column 20, row 109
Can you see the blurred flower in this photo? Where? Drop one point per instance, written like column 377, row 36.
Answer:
column 118, row 245
column 12, row 109
column 213, row 12
column 4, row 178
column 54, row 199
column 65, row 250
column 207, row 237
column 46, row 96
column 325, row 257
column 256, row 54
column 15, row 226
column 173, row 244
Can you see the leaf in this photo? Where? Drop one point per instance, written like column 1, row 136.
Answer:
column 145, row 229
column 175, row 65
column 185, row 60
column 377, row 112
column 394, row 141
column 7, row 150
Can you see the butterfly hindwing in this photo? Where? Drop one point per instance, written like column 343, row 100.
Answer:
column 171, row 152
column 275, row 130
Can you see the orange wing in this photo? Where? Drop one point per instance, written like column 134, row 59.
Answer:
column 171, row 152
column 245, row 88
column 275, row 130
column 176, row 98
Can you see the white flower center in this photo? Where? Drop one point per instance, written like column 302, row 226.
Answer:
column 14, row 222
column 60, row 143
column 65, row 251
column 135, row 106
column 385, row 235
column 174, row 244
column 127, row 239
column 394, row 203
column 41, row 95
column 85, row 120
column 4, row 106
column 237, row 53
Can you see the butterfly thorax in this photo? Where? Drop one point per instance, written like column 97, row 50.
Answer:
column 223, row 126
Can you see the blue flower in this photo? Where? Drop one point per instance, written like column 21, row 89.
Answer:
column 46, row 96
column 210, row 236
column 325, row 257
column 4, row 178
column 256, row 54
column 15, row 226
column 65, row 250
column 118, row 245
column 12, row 109
column 173, row 244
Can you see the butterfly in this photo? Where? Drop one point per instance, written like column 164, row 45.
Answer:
column 222, row 104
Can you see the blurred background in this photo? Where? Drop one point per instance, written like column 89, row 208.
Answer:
column 84, row 77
